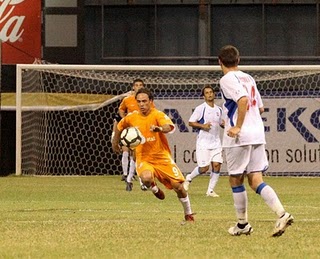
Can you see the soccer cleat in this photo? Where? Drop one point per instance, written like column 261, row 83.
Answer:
column 159, row 194
column 236, row 231
column 143, row 187
column 282, row 223
column 186, row 185
column 188, row 218
column 212, row 194
column 123, row 178
column 129, row 186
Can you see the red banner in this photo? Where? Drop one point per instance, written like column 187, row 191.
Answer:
column 20, row 31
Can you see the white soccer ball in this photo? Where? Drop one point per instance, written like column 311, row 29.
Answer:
column 131, row 137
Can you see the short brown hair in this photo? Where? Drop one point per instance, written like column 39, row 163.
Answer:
column 146, row 91
column 229, row 56
column 206, row 87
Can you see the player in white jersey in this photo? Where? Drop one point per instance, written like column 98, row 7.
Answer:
column 244, row 143
column 207, row 119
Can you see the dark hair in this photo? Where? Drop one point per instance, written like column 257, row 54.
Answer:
column 146, row 91
column 137, row 80
column 229, row 56
column 206, row 87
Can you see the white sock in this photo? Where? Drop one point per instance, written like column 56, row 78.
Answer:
column 140, row 181
column 155, row 189
column 214, row 177
column 193, row 174
column 271, row 199
column 132, row 168
column 186, row 205
column 240, row 200
column 125, row 162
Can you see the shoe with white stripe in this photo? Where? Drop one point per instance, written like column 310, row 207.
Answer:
column 282, row 223
column 212, row 194
column 236, row 231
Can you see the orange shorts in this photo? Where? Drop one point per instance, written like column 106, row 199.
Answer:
column 165, row 173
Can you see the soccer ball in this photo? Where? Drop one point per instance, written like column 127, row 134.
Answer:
column 131, row 137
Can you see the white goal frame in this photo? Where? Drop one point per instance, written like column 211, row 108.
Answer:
column 20, row 67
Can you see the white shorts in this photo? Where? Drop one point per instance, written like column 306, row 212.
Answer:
column 206, row 156
column 251, row 158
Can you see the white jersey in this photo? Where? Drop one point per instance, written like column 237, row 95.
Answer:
column 204, row 114
column 234, row 85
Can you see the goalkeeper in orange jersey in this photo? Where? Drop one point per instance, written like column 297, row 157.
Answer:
column 153, row 158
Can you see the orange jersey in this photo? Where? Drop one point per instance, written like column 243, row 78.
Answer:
column 129, row 104
column 154, row 154
column 156, row 147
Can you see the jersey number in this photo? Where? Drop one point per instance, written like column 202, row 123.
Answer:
column 252, row 97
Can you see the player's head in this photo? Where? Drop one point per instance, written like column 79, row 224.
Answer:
column 146, row 91
column 208, row 93
column 206, row 88
column 137, row 84
column 229, row 56
column 144, row 99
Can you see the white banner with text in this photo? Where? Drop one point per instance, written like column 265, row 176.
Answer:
column 292, row 127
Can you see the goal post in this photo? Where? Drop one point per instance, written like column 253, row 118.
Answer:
column 64, row 114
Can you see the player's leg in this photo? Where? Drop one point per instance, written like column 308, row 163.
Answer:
column 203, row 162
column 125, row 163
column 132, row 170
column 146, row 173
column 214, row 178
column 256, row 166
column 171, row 177
column 125, row 154
column 183, row 197
column 142, row 186
column 216, row 162
column 237, row 159
column 130, row 175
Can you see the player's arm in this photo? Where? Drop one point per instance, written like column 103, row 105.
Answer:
column 196, row 119
column 242, row 110
column 261, row 110
column 201, row 126
column 166, row 128
column 116, row 119
column 222, row 123
column 260, row 103
column 122, row 113
column 164, row 124
column 115, row 140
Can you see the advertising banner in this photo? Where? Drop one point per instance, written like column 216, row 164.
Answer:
column 20, row 31
column 292, row 127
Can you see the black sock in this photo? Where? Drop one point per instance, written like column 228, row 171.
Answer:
column 242, row 226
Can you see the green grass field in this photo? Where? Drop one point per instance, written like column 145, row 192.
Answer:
column 94, row 217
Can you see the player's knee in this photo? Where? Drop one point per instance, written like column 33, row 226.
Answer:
column 203, row 170
column 146, row 178
column 179, row 189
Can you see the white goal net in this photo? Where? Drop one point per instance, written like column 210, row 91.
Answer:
column 65, row 114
